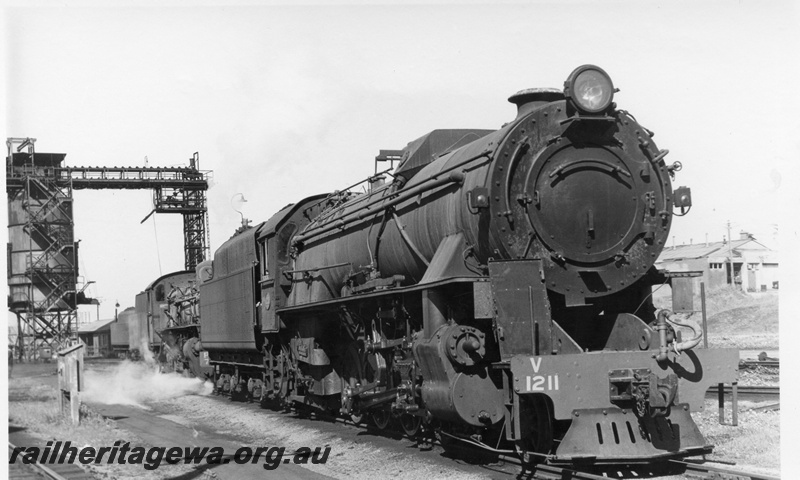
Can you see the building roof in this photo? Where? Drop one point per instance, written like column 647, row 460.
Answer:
column 702, row 250
column 95, row 326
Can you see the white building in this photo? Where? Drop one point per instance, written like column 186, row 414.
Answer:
column 755, row 267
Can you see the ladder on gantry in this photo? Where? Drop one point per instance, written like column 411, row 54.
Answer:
column 43, row 270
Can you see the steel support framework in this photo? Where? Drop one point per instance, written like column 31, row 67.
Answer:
column 43, row 267
column 44, row 292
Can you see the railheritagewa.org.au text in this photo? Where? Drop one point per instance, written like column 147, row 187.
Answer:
column 153, row 457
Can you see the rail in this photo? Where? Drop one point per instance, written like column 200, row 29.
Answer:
column 773, row 407
column 759, row 363
column 510, row 463
column 748, row 391
column 53, row 471
column 701, row 470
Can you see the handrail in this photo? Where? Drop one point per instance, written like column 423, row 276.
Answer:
column 452, row 176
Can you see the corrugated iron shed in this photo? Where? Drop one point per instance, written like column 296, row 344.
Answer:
column 95, row 326
column 701, row 250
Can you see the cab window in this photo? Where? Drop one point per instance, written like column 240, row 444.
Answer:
column 286, row 234
column 265, row 259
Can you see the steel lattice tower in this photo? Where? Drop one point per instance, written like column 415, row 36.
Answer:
column 42, row 253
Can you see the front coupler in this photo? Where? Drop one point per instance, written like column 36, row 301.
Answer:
column 625, row 406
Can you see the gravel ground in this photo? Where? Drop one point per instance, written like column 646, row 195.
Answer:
column 355, row 452
column 759, row 377
column 358, row 456
column 33, row 406
column 750, row 341
column 187, row 402
column 754, row 445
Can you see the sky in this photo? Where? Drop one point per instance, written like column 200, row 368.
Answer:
column 284, row 101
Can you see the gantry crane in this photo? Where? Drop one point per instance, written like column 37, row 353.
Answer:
column 42, row 252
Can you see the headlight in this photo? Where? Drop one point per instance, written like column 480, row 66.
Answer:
column 590, row 89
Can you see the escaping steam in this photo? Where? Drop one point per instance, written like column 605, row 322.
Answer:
column 147, row 354
column 139, row 383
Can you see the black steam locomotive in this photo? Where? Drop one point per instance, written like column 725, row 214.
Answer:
column 498, row 288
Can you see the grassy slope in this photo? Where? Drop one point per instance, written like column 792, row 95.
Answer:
column 736, row 319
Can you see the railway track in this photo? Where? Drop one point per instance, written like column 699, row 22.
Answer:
column 696, row 470
column 38, row 471
column 750, row 364
column 507, row 463
column 691, row 469
column 767, row 408
column 513, row 466
column 549, row 472
column 748, row 392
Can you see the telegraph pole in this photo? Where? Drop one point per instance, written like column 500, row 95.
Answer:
column 730, row 253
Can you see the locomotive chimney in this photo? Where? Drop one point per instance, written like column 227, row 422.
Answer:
column 532, row 98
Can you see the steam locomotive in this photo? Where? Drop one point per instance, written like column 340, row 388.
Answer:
column 496, row 290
